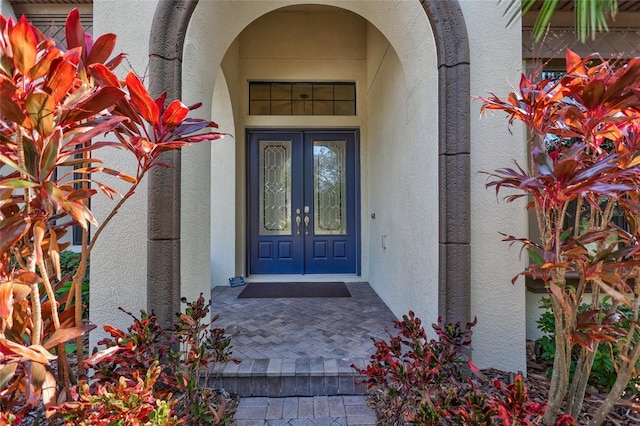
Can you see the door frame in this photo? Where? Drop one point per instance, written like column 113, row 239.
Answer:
column 357, row 190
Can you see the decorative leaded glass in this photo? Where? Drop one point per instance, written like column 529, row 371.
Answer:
column 300, row 98
column 275, row 187
column 329, row 187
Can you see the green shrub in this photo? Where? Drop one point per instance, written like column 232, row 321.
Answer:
column 69, row 263
column 603, row 371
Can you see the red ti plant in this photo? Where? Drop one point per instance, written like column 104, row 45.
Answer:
column 584, row 145
column 57, row 104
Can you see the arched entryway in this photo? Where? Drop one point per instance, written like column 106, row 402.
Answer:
column 447, row 23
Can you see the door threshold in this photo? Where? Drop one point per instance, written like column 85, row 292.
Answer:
column 348, row 278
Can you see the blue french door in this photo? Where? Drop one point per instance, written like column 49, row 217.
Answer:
column 303, row 205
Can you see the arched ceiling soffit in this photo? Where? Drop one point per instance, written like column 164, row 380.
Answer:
column 229, row 23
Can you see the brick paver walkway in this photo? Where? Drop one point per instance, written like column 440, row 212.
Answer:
column 337, row 327
column 318, row 410
column 299, row 336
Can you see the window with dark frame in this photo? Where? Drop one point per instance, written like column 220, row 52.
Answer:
column 302, row 98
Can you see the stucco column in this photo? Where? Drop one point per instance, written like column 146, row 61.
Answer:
column 450, row 31
column 163, row 232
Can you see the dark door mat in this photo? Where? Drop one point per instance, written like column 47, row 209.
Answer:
column 295, row 289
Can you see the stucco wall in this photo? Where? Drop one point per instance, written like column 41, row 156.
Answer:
column 402, row 179
column 499, row 337
column 119, row 258
column 533, row 314
column 6, row 9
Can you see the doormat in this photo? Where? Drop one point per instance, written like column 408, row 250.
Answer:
column 294, row 289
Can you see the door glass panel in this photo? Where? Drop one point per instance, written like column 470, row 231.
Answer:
column 329, row 187
column 275, row 188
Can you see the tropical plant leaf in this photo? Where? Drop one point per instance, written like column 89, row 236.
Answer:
column 13, row 228
column 23, row 43
column 74, row 32
column 64, row 335
column 86, row 133
column 30, row 353
column 49, row 392
column 141, row 100
column 50, row 154
column 40, row 109
column 175, row 114
column 104, row 76
column 61, row 77
column 17, row 183
column 103, row 98
column 8, row 106
column 101, row 49
column 6, row 373
column 43, row 66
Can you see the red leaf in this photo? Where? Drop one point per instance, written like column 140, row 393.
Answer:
column 575, row 64
column 80, row 213
column 125, row 177
column 8, row 347
column 104, row 98
column 49, row 390
column 13, row 228
column 106, row 353
column 8, row 106
column 101, row 49
column 174, row 114
column 43, row 66
column 60, row 79
column 74, row 31
column 50, row 154
column 593, row 93
column 54, row 195
column 141, row 100
column 26, row 278
column 66, row 334
column 97, row 130
column 113, row 63
column 23, row 42
column 6, row 373
column 104, row 76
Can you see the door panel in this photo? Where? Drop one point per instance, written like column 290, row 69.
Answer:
column 330, row 246
column 275, row 181
column 303, row 202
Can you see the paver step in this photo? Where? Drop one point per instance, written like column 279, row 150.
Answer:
column 301, row 377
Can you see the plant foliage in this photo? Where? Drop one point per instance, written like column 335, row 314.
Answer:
column 57, row 106
column 590, row 15
column 432, row 382
column 140, row 377
column 584, row 150
column 604, row 369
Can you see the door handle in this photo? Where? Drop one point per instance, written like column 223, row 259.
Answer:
column 306, row 220
column 298, row 220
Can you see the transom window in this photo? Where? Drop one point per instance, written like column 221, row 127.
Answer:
column 294, row 98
